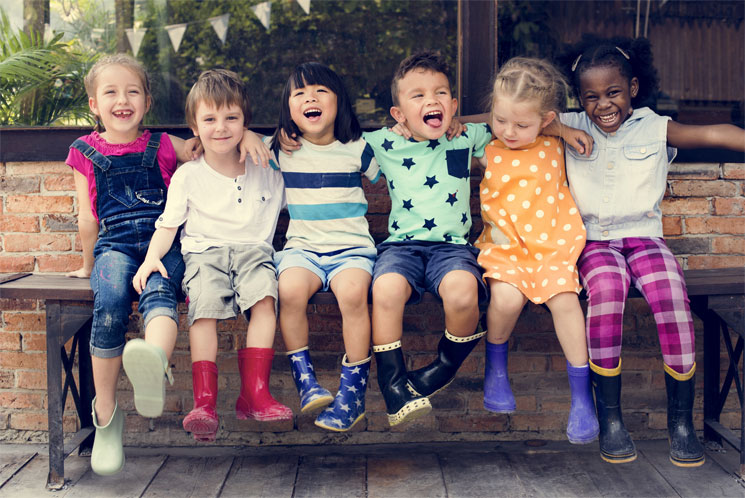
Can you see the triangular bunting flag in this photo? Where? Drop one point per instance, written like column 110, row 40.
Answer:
column 263, row 12
column 305, row 4
column 135, row 37
column 220, row 25
column 175, row 33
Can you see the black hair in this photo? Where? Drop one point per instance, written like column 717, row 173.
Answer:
column 632, row 57
column 427, row 60
column 346, row 126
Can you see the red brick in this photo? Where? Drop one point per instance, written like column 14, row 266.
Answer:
column 60, row 222
column 34, row 342
column 728, row 245
column 694, row 171
column 30, row 361
column 10, row 264
column 10, row 341
column 472, row 423
column 25, row 321
column 60, row 182
column 38, row 421
column 37, row 242
column 31, row 379
column 672, row 225
column 685, row 205
column 19, row 184
column 6, row 379
column 733, row 171
column 59, row 262
column 18, row 304
column 24, row 401
column 715, row 225
column 536, row 422
column 696, row 262
column 711, row 188
column 729, row 206
column 39, row 204
column 14, row 223
column 37, row 168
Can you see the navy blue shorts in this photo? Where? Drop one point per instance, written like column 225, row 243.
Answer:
column 425, row 264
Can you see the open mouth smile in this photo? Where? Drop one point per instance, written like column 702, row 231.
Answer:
column 608, row 118
column 433, row 119
column 313, row 114
column 122, row 114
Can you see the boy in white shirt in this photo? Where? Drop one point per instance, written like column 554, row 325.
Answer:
column 229, row 211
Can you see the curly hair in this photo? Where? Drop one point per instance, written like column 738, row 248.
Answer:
column 426, row 60
column 632, row 56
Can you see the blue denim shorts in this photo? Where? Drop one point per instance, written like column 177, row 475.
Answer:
column 118, row 254
column 425, row 264
column 326, row 266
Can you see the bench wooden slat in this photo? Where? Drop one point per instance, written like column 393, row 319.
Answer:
column 706, row 282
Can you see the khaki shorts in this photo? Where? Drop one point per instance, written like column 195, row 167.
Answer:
column 224, row 281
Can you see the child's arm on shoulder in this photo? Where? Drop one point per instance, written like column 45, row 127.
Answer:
column 159, row 246
column 722, row 136
column 87, row 226
column 580, row 140
column 186, row 150
column 454, row 130
column 253, row 145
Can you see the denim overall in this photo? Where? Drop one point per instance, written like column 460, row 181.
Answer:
column 131, row 196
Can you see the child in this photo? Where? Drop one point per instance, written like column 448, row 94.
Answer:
column 532, row 234
column 229, row 213
column 328, row 241
column 618, row 190
column 429, row 183
column 121, row 176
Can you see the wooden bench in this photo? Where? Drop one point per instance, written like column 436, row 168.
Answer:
column 717, row 298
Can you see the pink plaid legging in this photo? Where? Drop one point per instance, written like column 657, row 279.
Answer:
column 606, row 269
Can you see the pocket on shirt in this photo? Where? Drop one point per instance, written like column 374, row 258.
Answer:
column 644, row 184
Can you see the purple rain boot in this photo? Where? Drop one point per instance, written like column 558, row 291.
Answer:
column 498, row 396
column 582, row 427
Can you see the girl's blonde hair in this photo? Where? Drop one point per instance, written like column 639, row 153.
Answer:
column 525, row 79
column 115, row 60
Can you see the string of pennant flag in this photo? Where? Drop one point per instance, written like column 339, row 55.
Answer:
column 219, row 24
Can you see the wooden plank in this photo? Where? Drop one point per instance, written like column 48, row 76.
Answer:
column 11, row 462
column 633, row 479
column 553, row 473
column 259, row 477
column 482, row 474
column 31, row 480
column 130, row 482
column 186, row 477
column 707, row 480
column 404, row 476
column 9, row 277
column 331, row 476
column 44, row 286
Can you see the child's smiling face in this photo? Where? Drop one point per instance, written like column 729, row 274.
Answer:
column 120, row 102
column 425, row 104
column 313, row 109
column 606, row 96
column 517, row 124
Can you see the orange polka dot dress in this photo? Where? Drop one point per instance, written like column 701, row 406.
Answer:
column 533, row 233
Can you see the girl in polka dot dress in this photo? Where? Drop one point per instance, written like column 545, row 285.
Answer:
column 533, row 234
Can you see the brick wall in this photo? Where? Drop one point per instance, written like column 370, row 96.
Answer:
column 704, row 222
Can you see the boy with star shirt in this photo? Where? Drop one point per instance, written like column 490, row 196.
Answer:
column 428, row 179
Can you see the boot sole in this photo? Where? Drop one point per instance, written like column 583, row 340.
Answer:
column 586, row 440
column 202, row 428
column 499, row 409
column 410, row 411
column 339, row 429
column 146, row 372
column 688, row 463
column 413, row 391
column 618, row 459
column 321, row 402
column 261, row 418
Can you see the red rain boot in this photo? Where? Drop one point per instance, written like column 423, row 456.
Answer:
column 255, row 401
column 202, row 420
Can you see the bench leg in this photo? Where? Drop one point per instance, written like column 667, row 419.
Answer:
column 711, row 374
column 87, row 391
column 56, row 476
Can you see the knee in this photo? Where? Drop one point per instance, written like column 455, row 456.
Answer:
column 352, row 295
column 390, row 293
column 506, row 301
column 460, row 293
column 606, row 288
column 292, row 296
column 264, row 306
column 563, row 303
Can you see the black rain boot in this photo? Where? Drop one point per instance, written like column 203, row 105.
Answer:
column 616, row 445
column 401, row 406
column 451, row 353
column 685, row 448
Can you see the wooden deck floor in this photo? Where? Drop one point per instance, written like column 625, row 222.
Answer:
column 410, row 471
